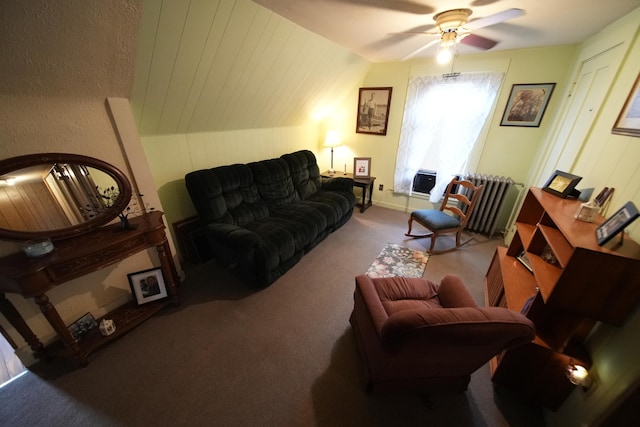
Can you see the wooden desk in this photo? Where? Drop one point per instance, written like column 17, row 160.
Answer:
column 366, row 184
column 76, row 257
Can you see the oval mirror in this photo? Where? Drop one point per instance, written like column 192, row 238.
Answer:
column 57, row 195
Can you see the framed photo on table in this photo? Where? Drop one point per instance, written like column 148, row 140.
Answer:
column 362, row 167
column 562, row 184
column 373, row 110
column 147, row 285
column 82, row 326
column 628, row 122
column 616, row 223
column 526, row 104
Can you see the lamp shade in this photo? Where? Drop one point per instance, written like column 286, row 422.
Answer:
column 332, row 139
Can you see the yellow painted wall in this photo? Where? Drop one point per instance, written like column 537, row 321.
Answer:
column 613, row 160
column 171, row 157
column 503, row 151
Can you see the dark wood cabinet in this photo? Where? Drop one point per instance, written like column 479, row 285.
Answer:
column 72, row 258
column 570, row 284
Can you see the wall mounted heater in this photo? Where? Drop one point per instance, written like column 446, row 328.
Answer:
column 492, row 200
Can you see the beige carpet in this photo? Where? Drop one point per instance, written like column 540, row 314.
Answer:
column 283, row 356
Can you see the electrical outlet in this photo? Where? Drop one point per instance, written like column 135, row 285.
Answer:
column 380, row 187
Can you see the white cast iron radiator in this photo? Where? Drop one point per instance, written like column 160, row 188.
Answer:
column 492, row 200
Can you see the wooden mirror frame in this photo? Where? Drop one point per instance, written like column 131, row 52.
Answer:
column 11, row 165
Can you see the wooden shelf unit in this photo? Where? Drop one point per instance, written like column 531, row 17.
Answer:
column 574, row 283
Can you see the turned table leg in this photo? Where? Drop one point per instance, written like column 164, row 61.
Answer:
column 169, row 271
column 52, row 316
column 9, row 311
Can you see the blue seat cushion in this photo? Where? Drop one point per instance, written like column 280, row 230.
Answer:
column 434, row 219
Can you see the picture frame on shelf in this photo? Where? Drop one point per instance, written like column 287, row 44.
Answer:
column 373, row 110
column 361, row 167
column 616, row 223
column 527, row 104
column 628, row 121
column 562, row 184
column 82, row 326
column 524, row 260
column 147, row 285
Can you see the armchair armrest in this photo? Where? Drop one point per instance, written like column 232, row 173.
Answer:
column 460, row 326
column 452, row 293
column 338, row 184
column 365, row 289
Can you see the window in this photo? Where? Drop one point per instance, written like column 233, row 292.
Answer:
column 443, row 118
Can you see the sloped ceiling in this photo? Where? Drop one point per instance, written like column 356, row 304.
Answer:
column 232, row 64
column 216, row 65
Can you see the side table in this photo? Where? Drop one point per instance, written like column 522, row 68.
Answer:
column 366, row 184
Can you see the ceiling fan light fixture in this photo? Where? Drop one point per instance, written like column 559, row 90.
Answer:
column 444, row 54
column 452, row 19
column 448, row 38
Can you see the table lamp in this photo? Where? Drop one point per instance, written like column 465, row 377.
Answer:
column 332, row 140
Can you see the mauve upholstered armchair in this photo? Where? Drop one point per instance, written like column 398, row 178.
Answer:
column 414, row 335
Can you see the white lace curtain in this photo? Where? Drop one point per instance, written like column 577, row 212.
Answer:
column 443, row 118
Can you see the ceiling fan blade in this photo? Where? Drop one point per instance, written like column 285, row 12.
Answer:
column 496, row 18
column 479, row 41
column 409, row 6
column 415, row 52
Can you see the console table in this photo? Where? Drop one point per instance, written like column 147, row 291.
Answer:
column 365, row 183
column 75, row 257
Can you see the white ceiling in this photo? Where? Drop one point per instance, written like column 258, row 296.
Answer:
column 216, row 65
column 369, row 27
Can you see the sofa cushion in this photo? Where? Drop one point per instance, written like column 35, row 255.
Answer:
column 226, row 194
column 273, row 180
column 398, row 294
column 305, row 174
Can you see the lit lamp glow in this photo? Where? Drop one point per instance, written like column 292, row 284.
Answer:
column 332, row 140
column 447, row 42
column 8, row 181
column 578, row 375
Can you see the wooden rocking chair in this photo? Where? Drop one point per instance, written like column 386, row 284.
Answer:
column 438, row 222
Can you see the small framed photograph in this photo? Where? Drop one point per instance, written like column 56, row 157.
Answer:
column 147, row 285
column 362, row 167
column 526, row 104
column 628, row 122
column 562, row 184
column 524, row 260
column 616, row 223
column 82, row 326
column 373, row 110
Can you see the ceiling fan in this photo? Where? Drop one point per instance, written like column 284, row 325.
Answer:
column 453, row 27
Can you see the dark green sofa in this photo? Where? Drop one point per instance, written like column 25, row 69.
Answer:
column 262, row 217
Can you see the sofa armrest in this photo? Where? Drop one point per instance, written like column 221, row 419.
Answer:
column 338, row 184
column 453, row 293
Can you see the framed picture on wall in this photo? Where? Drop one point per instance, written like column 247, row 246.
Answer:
column 362, row 167
column 628, row 122
column 373, row 110
column 526, row 104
